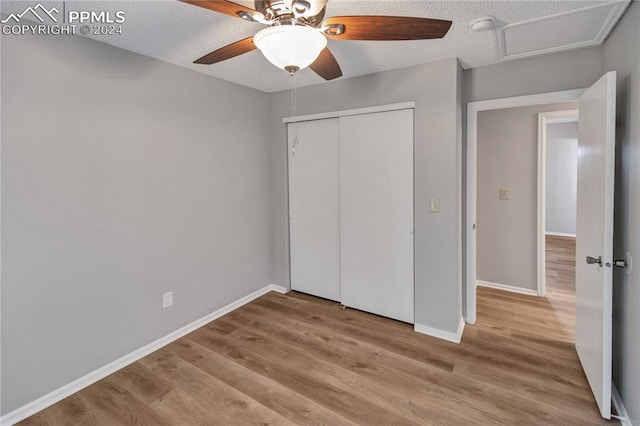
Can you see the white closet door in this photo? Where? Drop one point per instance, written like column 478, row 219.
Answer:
column 376, row 213
column 314, row 213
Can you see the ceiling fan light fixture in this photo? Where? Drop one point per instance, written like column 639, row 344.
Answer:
column 290, row 46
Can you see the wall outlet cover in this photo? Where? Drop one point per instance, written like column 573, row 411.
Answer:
column 167, row 299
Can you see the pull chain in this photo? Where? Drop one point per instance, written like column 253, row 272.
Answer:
column 294, row 101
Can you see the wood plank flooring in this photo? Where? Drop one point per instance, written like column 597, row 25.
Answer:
column 561, row 263
column 296, row 359
column 561, row 281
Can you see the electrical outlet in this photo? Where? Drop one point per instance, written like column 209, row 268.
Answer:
column 167, row 299
column 504, row 194
column 434, row 205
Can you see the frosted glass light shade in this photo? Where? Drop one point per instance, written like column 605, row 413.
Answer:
column 290, row 45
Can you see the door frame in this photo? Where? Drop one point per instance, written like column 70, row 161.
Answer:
column 471, row 182
column 544, row 119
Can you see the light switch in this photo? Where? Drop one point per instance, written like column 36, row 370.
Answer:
column 504, row 193
column 434, row 205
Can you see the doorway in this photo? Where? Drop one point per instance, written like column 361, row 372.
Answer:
column 557, row 198
column 594, row 223
column 504, row 193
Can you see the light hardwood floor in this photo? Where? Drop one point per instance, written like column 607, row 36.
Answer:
column 296, row 359
column 561, row 263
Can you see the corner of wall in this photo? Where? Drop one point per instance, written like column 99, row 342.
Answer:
column 460, row 176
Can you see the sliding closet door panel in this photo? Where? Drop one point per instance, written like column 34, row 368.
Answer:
column 314, row 213
column 376, row 213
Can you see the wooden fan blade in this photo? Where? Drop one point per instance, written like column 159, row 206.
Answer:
column 326, row 65
column 386, row 28
column 226, row 7
column 227, row 52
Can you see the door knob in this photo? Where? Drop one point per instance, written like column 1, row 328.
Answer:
column 591, row 260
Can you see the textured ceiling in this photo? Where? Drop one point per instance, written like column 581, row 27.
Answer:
column 179, row 33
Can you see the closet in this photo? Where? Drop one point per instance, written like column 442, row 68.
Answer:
column 351, row 210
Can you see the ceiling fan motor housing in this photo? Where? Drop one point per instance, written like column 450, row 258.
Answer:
column 309, row 12
column 306, row 8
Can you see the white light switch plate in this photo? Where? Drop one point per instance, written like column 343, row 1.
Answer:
column 434, row 205
column 504, row 194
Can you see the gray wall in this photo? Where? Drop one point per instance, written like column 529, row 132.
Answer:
column 435, row 88
column 122, row 178
column 561, row 177
column 507, row 229
column 622, row 54
column 574, row 69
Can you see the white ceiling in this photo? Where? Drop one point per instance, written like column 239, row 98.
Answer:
column 179, row 33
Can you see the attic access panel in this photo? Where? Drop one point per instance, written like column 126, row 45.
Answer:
column 584, row 27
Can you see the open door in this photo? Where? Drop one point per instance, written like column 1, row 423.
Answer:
column 594, row 236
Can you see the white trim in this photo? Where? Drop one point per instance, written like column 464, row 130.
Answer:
column 560, row 234
column 441, row 334
column 349, row 112
column 527, row 100
column 542, row 204
column 277, row 288
column 51, row 398
column 564, row 120
column 507, row 287
column 617, row 10
column 608, row 209
column 623, row 416
column 628, row 270
column 472, row 141
column 471, row 204
column 544, row 119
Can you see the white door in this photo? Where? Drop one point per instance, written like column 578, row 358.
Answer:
column 594, row 236
column 314, row 215
column 376, row 213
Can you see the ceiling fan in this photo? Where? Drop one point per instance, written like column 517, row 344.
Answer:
column 296, row 34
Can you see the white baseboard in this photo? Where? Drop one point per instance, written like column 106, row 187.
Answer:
column 441, row 334
column 277, row 289
column 623, row 416
column 507, row 287
column 560, row 234
column 59, row 394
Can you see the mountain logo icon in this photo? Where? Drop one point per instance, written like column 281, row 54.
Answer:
column 34, row 12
